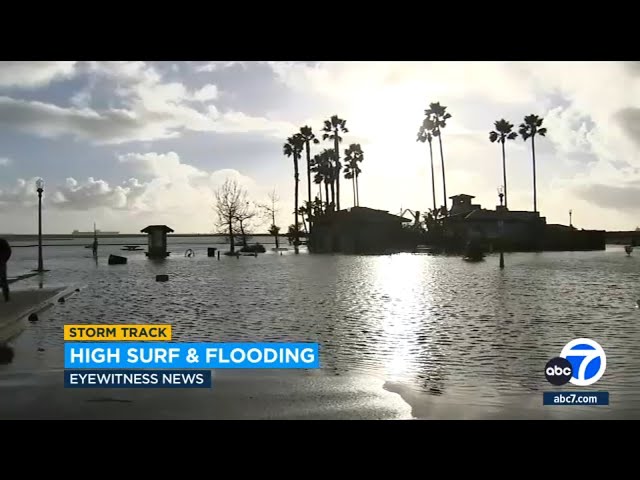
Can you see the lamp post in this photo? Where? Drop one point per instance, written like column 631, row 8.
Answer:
column 40, row 189
column 570, row 220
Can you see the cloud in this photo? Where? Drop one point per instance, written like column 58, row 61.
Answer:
column 21, row 194
column 629, row 120
column 499, row 81
column 27, row 75
column 97, row 193
column 4, row 161
column 151, row 110
column 217, row 66
column 182, row 194
column 50, row 121
column 206, row 93
column 172, row 192
column 621, row 197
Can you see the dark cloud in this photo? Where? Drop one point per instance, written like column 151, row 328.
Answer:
column 629, row 119
column 620, row 198
column 49, row 120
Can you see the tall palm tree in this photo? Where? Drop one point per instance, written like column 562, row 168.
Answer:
column 332, row 129
column 318, row 178
column 424, row 135
column 350, row 174
column 308, row 136
column 438, row 115
column 503, row 131
column 529, row 129
column 352, row 156
column 293, row 148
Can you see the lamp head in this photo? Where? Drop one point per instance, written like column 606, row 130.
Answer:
column 39, row 184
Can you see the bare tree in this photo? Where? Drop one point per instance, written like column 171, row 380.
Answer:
column 245, row 213
column 230, row 200
column 270, row 210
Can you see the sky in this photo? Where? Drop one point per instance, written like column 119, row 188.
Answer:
column 131, row 143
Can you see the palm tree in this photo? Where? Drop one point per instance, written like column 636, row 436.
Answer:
column 308, row 137
column 502, row 133
column 424, row 135
column 293, row 148
column 438, row 115
column 352, row 156
column 302, row 211
column 316, row 167
column 325, row 172
column 329, row 170
column 529, row 129
column 332, row 129
column 322, row 167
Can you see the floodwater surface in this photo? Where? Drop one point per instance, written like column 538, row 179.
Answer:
column 453, row 339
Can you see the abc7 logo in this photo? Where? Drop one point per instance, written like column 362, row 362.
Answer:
column 558, row 371
column 582, row 362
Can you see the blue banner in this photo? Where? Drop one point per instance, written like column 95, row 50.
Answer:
column 137, row 379
column 127, row 355
column 583, row 399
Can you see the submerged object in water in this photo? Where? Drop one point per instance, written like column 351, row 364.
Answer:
column 473, row 252
column 117, row 260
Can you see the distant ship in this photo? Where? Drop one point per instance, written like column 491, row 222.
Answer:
column 99, row 232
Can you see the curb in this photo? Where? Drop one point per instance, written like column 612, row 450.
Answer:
column 38, row 308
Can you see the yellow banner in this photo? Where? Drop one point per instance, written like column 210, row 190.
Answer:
column 117, row 333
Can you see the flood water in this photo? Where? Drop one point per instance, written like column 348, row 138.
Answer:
column 432, row 326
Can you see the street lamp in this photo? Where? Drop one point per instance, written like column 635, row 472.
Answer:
column 570, row 215
column 501, row 194
column 40, row 189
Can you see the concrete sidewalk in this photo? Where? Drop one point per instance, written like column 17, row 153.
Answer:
column 23, row 303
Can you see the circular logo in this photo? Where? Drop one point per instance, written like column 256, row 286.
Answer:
column 588, row 361
column 558, row 371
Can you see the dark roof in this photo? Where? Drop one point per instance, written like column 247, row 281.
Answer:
column 462, row 195
column 557, row 226
column 507, row 215
column 361, row 214
column 150, row 228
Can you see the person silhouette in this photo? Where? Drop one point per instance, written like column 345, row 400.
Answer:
column 5, row 255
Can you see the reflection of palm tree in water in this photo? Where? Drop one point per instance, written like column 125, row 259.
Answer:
column 433, row 379
column 511, row 336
